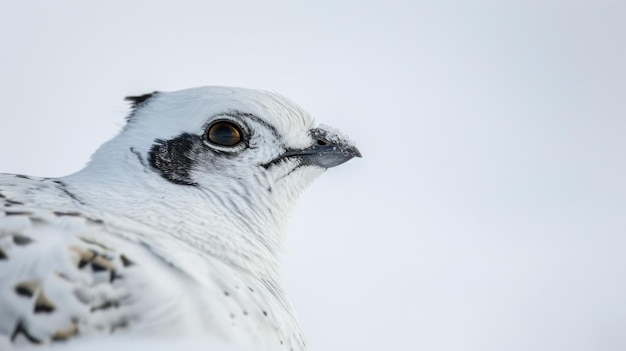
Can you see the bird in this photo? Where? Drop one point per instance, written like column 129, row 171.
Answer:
column 173, row 229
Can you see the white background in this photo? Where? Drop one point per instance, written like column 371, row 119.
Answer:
column 489, row 210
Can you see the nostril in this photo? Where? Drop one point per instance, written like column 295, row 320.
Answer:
column 322, row 142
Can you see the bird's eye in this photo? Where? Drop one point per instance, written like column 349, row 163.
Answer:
column 224, row 133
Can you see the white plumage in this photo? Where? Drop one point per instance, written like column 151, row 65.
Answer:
column 173, row 228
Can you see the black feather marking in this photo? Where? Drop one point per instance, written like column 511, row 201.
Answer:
column 22, row 176
column 19, row 329
column 98, row 267
column 44, row 306
column 136, row 102
column 172, row 158
column 3, row 255
column 21, row 240
column 101, row 264
column 139, row 99
column 114, row 275
column 18, row 213
column 63, row 188
column 23, row 291
column 139, row 157
column 43, row 309
column 67, row 213
column 83, row 262
column 126, row 262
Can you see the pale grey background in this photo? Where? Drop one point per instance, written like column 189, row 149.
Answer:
column 489, row 210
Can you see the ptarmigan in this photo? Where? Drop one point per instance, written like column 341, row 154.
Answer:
column 173, row 228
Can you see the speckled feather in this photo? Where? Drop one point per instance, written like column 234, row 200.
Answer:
column 164, row 233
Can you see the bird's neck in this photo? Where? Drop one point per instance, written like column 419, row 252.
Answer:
column 243, row 233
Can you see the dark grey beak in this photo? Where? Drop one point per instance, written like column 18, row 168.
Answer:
column 329, row 150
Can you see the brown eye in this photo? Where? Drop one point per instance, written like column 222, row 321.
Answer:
column 224, row 133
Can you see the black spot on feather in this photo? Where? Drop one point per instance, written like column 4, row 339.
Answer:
column 67, row 213
column 21, row 240
column 138, row 99
column 44, row 308
column 26, row 288
column 18, row 213
column 136, row 102
column 22, row 291
column 113, row 275
column 173, row 158
column 87, row 260
column 98, row 267
column 126, row 262
column 20, row 329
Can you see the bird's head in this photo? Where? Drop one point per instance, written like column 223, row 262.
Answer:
column 234, row 151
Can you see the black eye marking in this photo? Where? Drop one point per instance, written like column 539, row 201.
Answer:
column 174, row 158
column 224, row 133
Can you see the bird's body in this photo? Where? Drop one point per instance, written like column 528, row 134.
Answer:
column 173, row 228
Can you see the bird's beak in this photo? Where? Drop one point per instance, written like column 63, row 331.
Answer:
column 328, row 150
